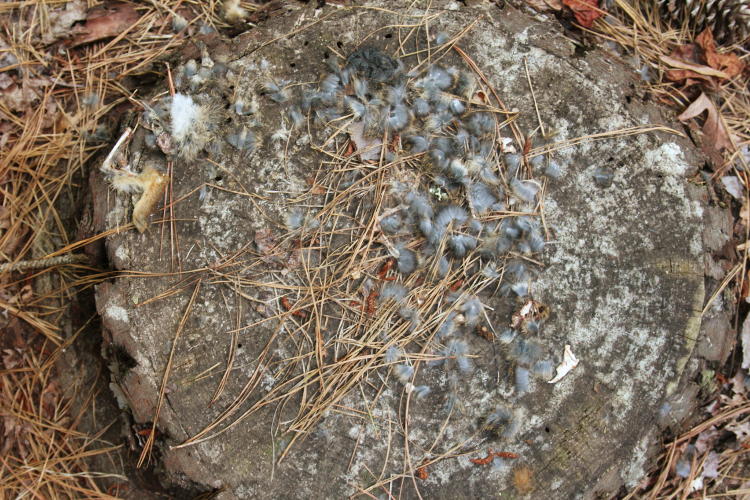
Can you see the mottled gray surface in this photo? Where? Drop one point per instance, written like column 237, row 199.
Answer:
column 624, row 279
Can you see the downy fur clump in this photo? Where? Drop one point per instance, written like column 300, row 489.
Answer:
column 456, row 230
column 189, row 126
column 475, row 202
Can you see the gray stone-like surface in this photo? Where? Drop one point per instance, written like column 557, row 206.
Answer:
column 624, row 279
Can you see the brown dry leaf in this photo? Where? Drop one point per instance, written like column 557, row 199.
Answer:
column 21, row 98
column 729, row 64
column 544, row 5
column 689, row 78
column 105, row 21
column 706, row 439
column 694, row 68
column 5, row 80
column 585, row 11
column 61, row 21
column 11, row 429
column 12, row 240
column 50, row 399
column 687, row 53
column 687, row 57
column 740, row 430
column 713, row 128
column 12, row 358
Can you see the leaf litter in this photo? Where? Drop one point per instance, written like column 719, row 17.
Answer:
column 54, row 99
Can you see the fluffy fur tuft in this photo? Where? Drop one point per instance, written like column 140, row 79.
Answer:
column 403, row 373
column 189, row 126
column 524, row 190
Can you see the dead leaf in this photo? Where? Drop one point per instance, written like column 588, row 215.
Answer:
column 694, row 68
column 585, row 11
column 12, row 358
column 22, row 97
column 690, row 78
column 105, row 22
column 62, row 20
column 706, row 439
column 713, row 128
column 688, row 56
column 733, row 186
column 13, row 240
column 729, row 64
column 5, row 80
column 50, row 398
column 740, row 430
column 737, row 384
column 711, row 465
column 687, row 53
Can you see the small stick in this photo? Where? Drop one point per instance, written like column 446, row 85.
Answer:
column 533, row 97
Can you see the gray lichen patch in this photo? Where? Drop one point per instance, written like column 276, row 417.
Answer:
column 621, row 272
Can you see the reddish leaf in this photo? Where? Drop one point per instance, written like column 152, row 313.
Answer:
column 713, row 128
column 727, row 63
column 105, row 22
column 585, row 11
column 687, row 53
column 689, row 78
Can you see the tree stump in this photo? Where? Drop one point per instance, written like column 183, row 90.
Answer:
column 620, row 276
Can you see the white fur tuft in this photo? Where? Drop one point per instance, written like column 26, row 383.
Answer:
column 185, row 114
column 233, row 11
column 189, row 125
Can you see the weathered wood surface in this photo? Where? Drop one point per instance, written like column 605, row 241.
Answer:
column 623, row 277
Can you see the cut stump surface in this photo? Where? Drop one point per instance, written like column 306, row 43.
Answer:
column 623, row 278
